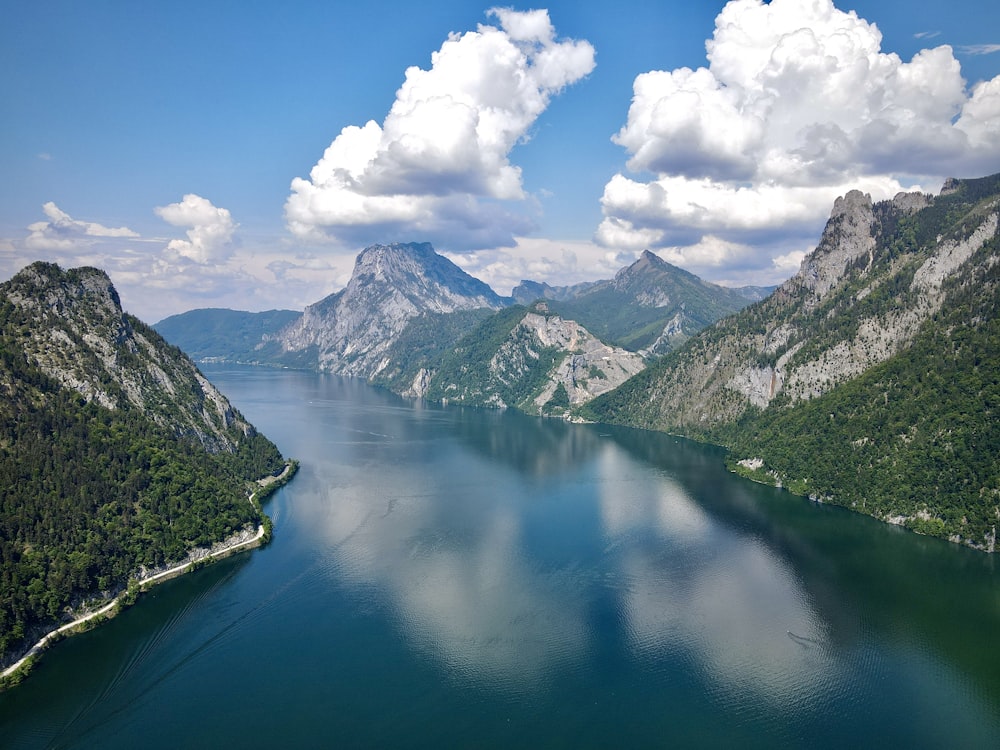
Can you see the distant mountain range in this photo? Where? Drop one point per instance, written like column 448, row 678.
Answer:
column 223, row 335
column 413, row 321
column 116, row 454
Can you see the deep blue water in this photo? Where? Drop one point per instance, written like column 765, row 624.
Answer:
column 459, row 577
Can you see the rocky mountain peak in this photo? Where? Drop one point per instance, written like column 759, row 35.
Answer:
column 853, row 202
column 75, row 331
column 638, row 271
column 391, row 285
column 650, row 279
column 417, row 271
column 910, row 203
column 848, row 235
column 951, row 185
column 66, row 293
column 385, row 262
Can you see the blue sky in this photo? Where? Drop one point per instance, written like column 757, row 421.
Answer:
column 181, row 146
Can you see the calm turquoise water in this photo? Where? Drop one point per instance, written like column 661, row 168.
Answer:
column 453, row 577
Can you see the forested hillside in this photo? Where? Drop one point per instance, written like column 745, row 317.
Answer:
column 472, row 372
column 650, row 305
column 223, row 335
column 93, row 485
column 532, row 360
column 870, row 379
column 915, row 440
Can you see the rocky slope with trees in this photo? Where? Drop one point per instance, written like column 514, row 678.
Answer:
column 116, row 454
column 868, row 379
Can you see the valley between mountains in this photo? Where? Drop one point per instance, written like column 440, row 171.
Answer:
column 870, row 379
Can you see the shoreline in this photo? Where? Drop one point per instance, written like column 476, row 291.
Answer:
column 193, row 562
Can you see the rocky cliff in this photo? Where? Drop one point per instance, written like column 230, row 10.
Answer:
column 532, row 360
column 76, row 333
column 352, row 331
column 903, row 286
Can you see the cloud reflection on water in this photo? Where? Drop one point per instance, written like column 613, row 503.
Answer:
column 461, row 585
column 694, row 586
column 493, row 556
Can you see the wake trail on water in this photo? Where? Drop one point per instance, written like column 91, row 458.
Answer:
column 137, row 658
column 206, row 646
column 805, row 640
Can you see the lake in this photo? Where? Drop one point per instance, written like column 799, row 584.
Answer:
column 442, row 576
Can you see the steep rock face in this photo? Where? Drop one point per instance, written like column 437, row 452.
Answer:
column 859, row 298
column 870, row 379
column 590, row 366
column 353, row 329
column 848, row 235
column 80, row 337
column 521, row 357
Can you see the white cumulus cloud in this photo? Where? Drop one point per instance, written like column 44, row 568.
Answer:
column 798, row 105
column 438, row 167
column 210, row 236
column 62, row 232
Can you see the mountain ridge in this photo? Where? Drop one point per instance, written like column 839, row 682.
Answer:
column 879, row 283
column 406, row 306
column 116, row 454
column 391, row 285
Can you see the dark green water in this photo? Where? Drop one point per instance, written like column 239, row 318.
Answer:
column 442, row 577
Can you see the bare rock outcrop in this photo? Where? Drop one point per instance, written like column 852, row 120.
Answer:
column 391, row 285
column 83, row 340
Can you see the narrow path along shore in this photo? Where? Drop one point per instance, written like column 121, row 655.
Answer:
column 145, row 583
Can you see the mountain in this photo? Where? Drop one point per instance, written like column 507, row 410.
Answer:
column 649, row 306
column 413, row 321
column 223, row 335
column 532, row 360
column 116, row 454
column 350, row 332
column 868, row 379
column 531, row 291
column 406, row 308
column 754, row 293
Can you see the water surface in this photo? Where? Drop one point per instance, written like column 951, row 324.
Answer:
column 447, row 576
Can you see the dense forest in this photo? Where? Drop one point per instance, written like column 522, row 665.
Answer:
column 914, row 436
column 498, row 363
column 89, row 495
column 915, row 439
